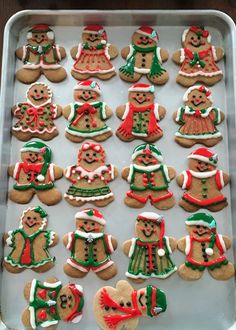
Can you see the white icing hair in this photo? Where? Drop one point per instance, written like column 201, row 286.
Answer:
column 184, row 35
column 44, row 85
column 192, row 88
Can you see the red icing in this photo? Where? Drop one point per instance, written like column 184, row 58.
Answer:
column 201, row 54
column 42, row 315
column 199, row 30
column 86, row 107
column 206, row 202
column 26, row 257
column 52, row 310
column 42, row 294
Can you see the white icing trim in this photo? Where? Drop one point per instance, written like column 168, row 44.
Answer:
column 141, row 70
column 126, row 111
column 158, row 53
column 87, row 134
column 32, row 317
column 45, row 130
column 214, row 53
column 9, row 239
column 106, row 50
column 198, row 223
column 168, row 244
column 77, row 319
column 48, row 323
column 76, row 266
column 88, row 199
column 24, row 53
column 150, row 216
column 51, row 172
column 112, row 171
column 166, row 172
column 186, row 177
column 198, row 137
column 184, row 35
column 201, row 73
column 104, row 114
column 202, row 158
column 68, row 171
column 78, row 51
column 70, row 239
column 52, row 285
column 140, row 152
column 90, row 174
column 151, row 275
column 110, row 246
column 150, row 168
column 33, row 149
column 105, row 266
column 88, row 235
column 32, row 289
column 203, row 175
column 136, row 88
column 52, row 237
column 222, row 242
column 72, row 112
column 182, row 55
column 188, row 245
column 58, row 52
column 203, row 115
column 83, row 215
column 132, row 247
column 139, row 134
column 131, row 51
column 156, row 111
column 16, row 169
column 178, row 114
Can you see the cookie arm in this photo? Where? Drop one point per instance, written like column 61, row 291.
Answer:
column 120, row 111
column 125, row 52
column 19, row 53
column 73, row 52
column 181, row 244
column 58, row 172
column 161, row 111
column 176, row 57
column 226, row 178
column 126, row 247
column 62, row 52
column 164, row 54
column 125, row 173
column 219, row 52
column 113, row 51
column 180, row 180
column 4, row 238
column 66, row 111
column 222, row 116
column 115, row 172
column 10, row 170
column 54, row 239
column 227, row 241
column 173, row 243
column 13, row 109
column 108, row 111
column 65, row 240
column 114, row 243
column 171, row 172
column 59, row 111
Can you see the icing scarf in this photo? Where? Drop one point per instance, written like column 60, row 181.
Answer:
column 196, row 57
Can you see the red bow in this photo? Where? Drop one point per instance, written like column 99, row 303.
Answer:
column 32, row 168
column 199, row 31
column 35, row 113
column 86, row 108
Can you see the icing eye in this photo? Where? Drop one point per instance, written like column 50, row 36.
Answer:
column 198, row 226
column 70, row 297
column 143, row 156
column 128, row 304
column 199, row 162
column 42, row 35
column 145, row 225
column 87, row 154
column 28, row 218
column 121, row 304
column 199, row 37
column 85, row 222
column 194, row 96
column 138, row 220
column 91, row 35
column 89, row 92
column 149, row 156
column 152, row 226
column 94, row 154
column 41, row 91
column 36, row 91
column 36, row 36
column 144, row 94
column 192, row 38
column 34, row 218
column 141, row 38
column 83, row 92
column 93, row 224
column 30, row 154
column 200, row 96
column 95, row 35
column 137, row 94
column 69, row 305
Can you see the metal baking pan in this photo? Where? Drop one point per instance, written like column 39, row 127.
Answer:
column 204, row 304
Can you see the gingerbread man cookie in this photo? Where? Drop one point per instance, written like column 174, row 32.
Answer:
column 92, row 56
column 140, row 115
column 203, row 182
column 90, row 177
column 144, row 57
column 88, row 114
column 121, row 307
column 30, row 243
column 90, row 248
column 35, row 174
column 150, row 251
column 204, row 249
column 198, row 58
column 50, row 301
column 198, row 119
column 149, row 178
column 41, row 56
column 36, row 115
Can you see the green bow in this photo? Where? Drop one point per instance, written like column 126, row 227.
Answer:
column 196, row 59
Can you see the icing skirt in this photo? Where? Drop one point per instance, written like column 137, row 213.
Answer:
column 202, row 267
column 81, row 194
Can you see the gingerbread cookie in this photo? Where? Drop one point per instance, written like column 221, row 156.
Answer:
column 198, row 119
column 90, row 248
column 149, row 178
column 88, row 114
column 121, row 307
column 203, row 182
column 144, row 57
column 204, row 248
column 150, row 251
column 90, row 177
column 30, row 243
column 140, row 115
column 198, row 58
column 49, row 302
column 41, row 56
column 92, row 56
column 36, row 115
column 35, row 174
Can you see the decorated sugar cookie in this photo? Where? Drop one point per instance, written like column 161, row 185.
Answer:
column 144, row 57
column 198, row 58
column 140, row 115
column 204, row 249
column 90, row 177
column 149, row 179
column 93, row 56
column 198, row 119
column 41, row 56
column 36, row 115
column 35, row 174
column 121, row 307
column 150, row 251
column 30, row 243
column 50, row 301
column 87, row 116
column 90, row 247
column 202, row 182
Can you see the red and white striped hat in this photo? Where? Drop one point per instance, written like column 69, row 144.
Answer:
column 205, row 155
column 96, row 29
column 91, row 214
column 142, row 88
column 149, row 32
column 90, row 85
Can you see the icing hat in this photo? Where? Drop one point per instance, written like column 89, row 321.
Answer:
column 200, row 31
column 142, row 88
column 76, row 315
column 146, row 148
column 39, row 147
column 91, row 214
column 148, row 31
column 200, row 88
column 88, row 85
column 156, row 301
column 205, row 155
column 41, row 28
column 96, row 29
column 201, row 219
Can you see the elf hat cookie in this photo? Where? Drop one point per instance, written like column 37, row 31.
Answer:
column 142, row 88
column 96, row 29
column 41, row 28
column 149, row 32
column 200, row 88
column 148, row 149
column 156, row 301
column 201, row 219
column 205, row 155
column 76, row 314
column 91, row 214
column 88, row 85
column 200, row 31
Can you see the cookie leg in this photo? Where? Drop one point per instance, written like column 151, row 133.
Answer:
column 55, row 75
column 185, row 81
column 187, row 143
column 212, row 142
column 25, row 318
column 103, row 202
column 106, row 76
column 102, row 137
column 211, row 80
column 217, row 207
column 28, row 76
column 131, row 202
column 188, row 207
column 126, row 77
column 11, row 268
column 189, row 274
column 50, row 196
column 74, row 202
column 73, row 272
column 21, row 197
column 124, row 138
column 22, row 136
column 44, row 268
column 164, row 204
column 137, row 280
column 153, row 137
column 80, row 76
column 107, row 273
column 158, row 79
column 223, row 273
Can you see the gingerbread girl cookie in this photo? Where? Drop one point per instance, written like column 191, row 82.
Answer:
column 121, row 307
column 88, row 114
column 204, row 249
column 144, row 57
column 198, row 119
column 198, row 58
column 90, row 248
column 35, row 174
column 30, row 243
column 41, row 56
column 92, row 56
column 203, row 182
column 36, row 115
column 149, row 178
column 150, row 251
column 140, row 115
column 90, row 177
column 49, row 302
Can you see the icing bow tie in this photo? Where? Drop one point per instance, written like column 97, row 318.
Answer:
column 34, row 113
column 197, row 112
column 85, row 109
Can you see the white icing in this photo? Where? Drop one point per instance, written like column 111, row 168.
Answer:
column 188, row 244
column 16, row 170
column 104, row 115
column 141, row 70
column 45, row 130
column 185, row 175
column 32, row 290
column 132, row 247
column 203, row 175
column 214, row 53
column 178, row 114
column 83, row 215
column 77, row 319
column 188, row 111
column 68, row 171
column 24, row 53
column 139, row 134
column 221, row 176
column 51, row 237
column 196, row 137
column 182, row 55
column 150, row 168
column 126, row 111
column 89, row 235
column 9, row 239
column 75, row 265
column 78, row 51
column 201, row 158
column 151, row 275
column 70, row 239
column 72, row 111
column 140, row 152
column 192, row 88
column 168, row 244
column 109, row 241
column 222, row 242
column 158, row 53
column 156, row 111
column 98, row 171
column 48, row 323
column 104, row 266
column 184, row 35
column 106, row 50
column 131, row 51
column 197, row 223
column 201, row 73
column 88, row 199
column 51, row 172
column 88, row 134
column 58, row 52
column 52, row 285
column 150, row 215
column 166, row 172
column 32, row 317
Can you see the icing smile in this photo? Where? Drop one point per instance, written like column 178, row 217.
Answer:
column 140, row 100
column 88, row 230
column 140, row 299
column 202, row 167
column 36, row 98
column 86, row 98
column 197, row 103
column 90, row 161
column 148, row 232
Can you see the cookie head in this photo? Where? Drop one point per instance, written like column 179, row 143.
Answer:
column 141, row 95
column 94, row 35
column 145, row 37
column 87, row 91
column 39, row 94
column 147, row 155
column 201, row 225
column 151, row 301
column 91, row 154
column 202, row 160
column 33, row 219
column 196, row 38
column 35, row 152
column 90, row 221
column 40, row 35
column 149, row 226
column 198, row 98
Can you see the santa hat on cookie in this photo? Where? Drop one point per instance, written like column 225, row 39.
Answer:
column 88, row 85
column 204, row 155
column 91, row 214
column 200, row 31
column 200, row 88
column 156, row 301
column 148, row 31
column 41, row 28
column 149, row 149
column 76, row 314
column 146, row 88
column 96, row 29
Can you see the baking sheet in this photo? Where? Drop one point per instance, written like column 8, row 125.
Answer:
column 204, row 304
